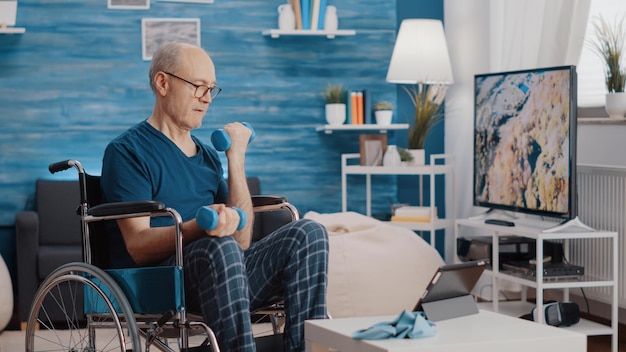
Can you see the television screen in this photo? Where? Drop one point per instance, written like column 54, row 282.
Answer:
column 525, row 141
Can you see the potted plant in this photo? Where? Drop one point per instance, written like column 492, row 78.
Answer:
column 609, row 46
column 405, row 156
column 383, row 111
column 427, row 100
column 335, row 97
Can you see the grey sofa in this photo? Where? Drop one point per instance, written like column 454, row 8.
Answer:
column 46, row 237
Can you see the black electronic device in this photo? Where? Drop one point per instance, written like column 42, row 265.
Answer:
column 525, row 143
column 500, row 222
column 550, row 270
column 557, row 314
column 448, row 294
column 511, row 248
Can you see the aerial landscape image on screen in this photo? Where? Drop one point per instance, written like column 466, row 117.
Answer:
column 522, row 140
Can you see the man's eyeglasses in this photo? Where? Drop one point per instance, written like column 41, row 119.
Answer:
column 201, row 89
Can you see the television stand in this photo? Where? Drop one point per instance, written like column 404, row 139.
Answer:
column 575, row 222
column 507, row 215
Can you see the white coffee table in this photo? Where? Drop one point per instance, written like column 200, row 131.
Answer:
column 482, row 332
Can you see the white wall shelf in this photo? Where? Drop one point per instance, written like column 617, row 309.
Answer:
column 535, row 229
column 275, row 33
column 12, row 30
column 328, row 129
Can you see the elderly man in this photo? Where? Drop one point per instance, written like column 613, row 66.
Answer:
column 225, row 277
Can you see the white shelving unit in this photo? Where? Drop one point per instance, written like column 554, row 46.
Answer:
column 348, row 167
column 12, row 30
column 328, row 129
column 535, row 229
column 275, row 33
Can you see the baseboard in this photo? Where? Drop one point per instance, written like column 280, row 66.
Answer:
column 597, row 308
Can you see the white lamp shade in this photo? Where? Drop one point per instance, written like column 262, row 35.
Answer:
column 420, row 54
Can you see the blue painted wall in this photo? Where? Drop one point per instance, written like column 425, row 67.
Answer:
column 76, row 79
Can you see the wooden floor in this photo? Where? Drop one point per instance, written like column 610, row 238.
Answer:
column 603, row 344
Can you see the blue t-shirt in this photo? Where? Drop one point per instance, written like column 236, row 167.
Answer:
column 144, row 164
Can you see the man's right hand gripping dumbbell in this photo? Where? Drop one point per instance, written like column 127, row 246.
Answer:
column 221, row 138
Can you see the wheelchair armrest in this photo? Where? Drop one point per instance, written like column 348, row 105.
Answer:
column 125, row 208
column 258, row 201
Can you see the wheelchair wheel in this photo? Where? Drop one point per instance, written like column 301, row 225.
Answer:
column 96, row 316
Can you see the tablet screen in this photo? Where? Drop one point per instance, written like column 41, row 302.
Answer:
column 453, row 280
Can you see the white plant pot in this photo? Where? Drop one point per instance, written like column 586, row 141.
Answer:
column 419, row 157
column 616, row 104
column 335, row 114
column 383, row 117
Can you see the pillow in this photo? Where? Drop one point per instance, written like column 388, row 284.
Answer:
column 375, row 268
column 6, row 295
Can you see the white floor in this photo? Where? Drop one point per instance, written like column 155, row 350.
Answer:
column 11, row 341
column 14, row 340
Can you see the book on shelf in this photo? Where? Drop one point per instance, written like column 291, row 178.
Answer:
column 310, row 14
column 297, row 13
column 315, row 13
column 411, row 214
column 322, row 16
column 410, row 210
column 354, row 108
column 359, row 107
column 305, row 7
column 348, row 101
column 367, row 107
column 396, row 218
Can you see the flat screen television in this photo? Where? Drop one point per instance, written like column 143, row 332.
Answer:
column 525, row 141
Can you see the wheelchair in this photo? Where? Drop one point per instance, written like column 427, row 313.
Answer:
column 117, row 309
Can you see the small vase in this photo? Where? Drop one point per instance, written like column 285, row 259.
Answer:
column 383, row 117
column 616, row 104
column 286, row 17
column 335, row 114
column 331, row 22
column 392, row 157
column 419, row 157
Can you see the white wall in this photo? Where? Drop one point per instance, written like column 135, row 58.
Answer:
column 467, row 33
column 602, row 143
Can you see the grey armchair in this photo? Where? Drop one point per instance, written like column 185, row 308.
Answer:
column 46, row 237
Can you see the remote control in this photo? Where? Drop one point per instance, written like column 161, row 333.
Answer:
column 499, row 222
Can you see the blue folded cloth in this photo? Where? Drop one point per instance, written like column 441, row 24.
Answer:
column 409, row 325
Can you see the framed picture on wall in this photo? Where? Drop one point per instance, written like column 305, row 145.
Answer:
column 158, row 31
column 192, row 1
column 128, row 4
column 372, row 148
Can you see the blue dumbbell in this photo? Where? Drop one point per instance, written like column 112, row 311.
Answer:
column 206, row 218
column 221, row 139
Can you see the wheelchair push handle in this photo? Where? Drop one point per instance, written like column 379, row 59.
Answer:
column 221, row 139
column 207, row 218
column 61, row 166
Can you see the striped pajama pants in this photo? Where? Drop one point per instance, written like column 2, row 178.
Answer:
column 226, row 283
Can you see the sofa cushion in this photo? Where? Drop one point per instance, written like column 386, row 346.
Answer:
column 56, row 203
column 374, row 268
column 51, row 257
